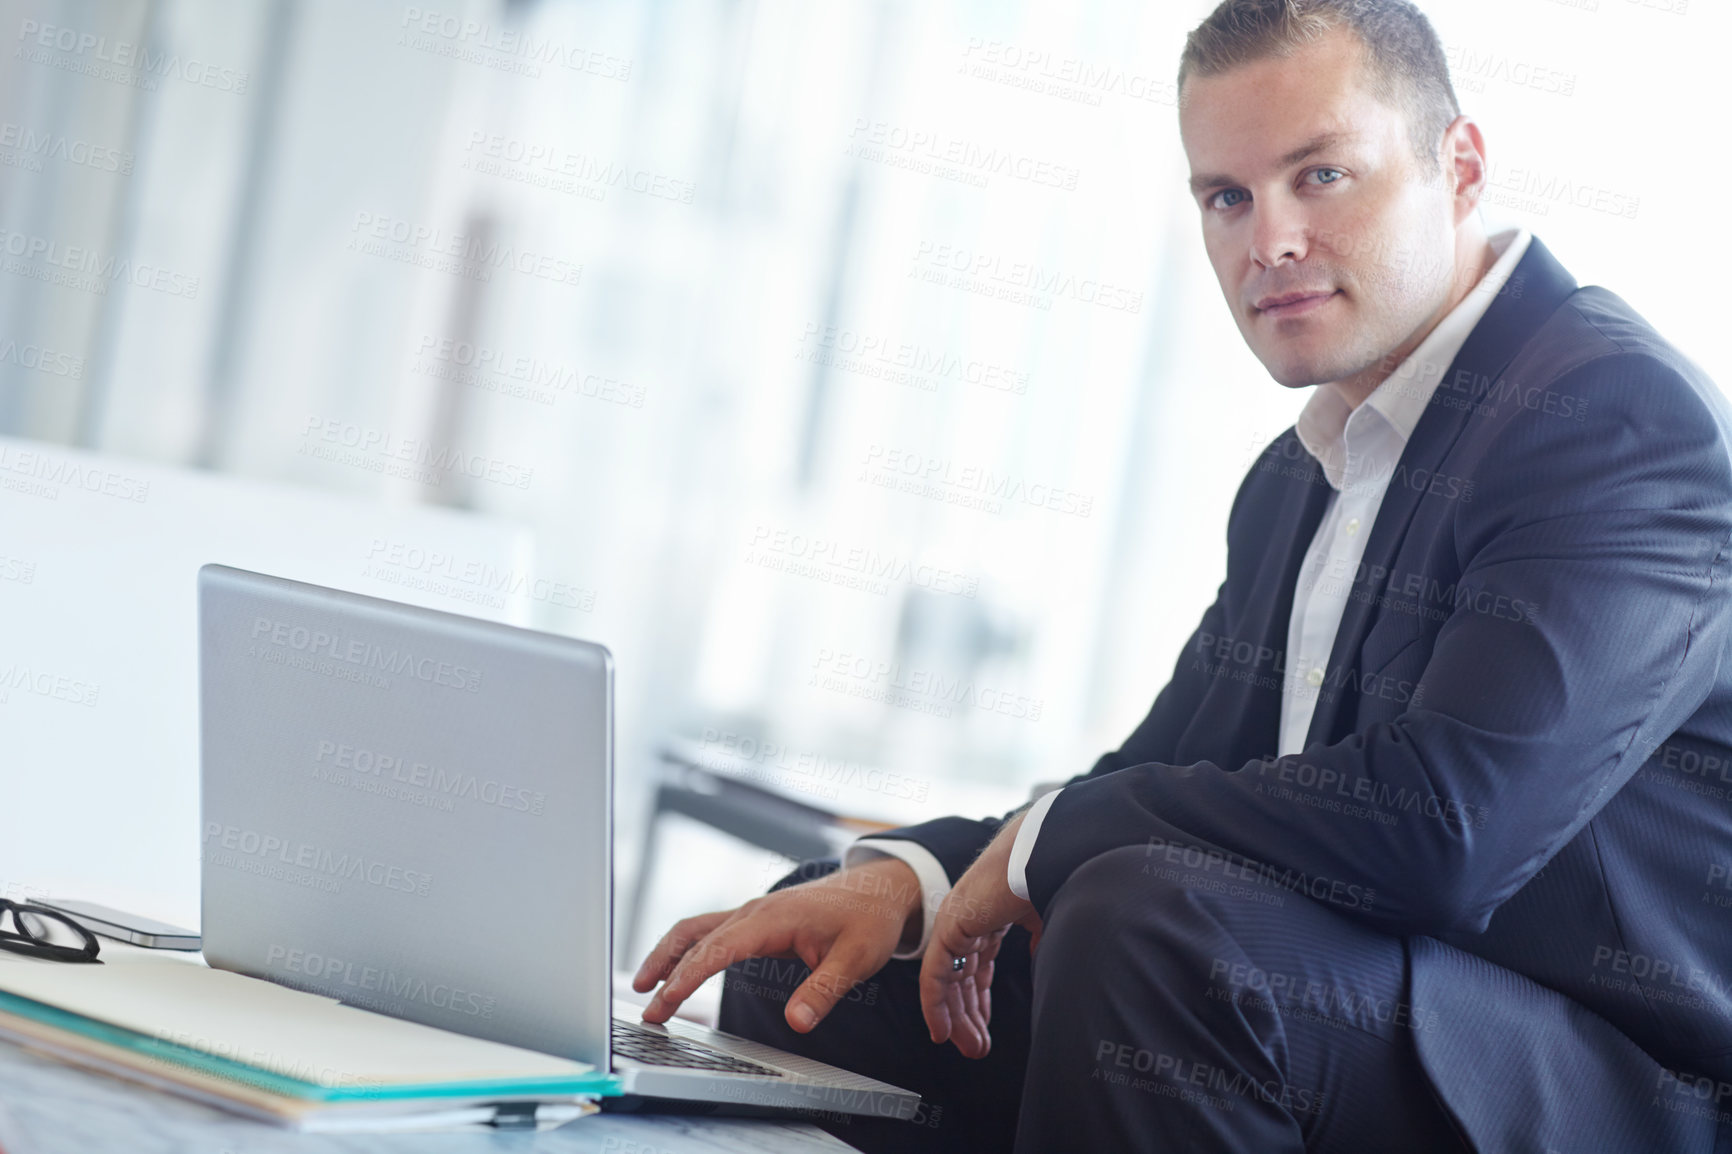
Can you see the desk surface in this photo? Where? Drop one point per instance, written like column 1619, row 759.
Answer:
column 50, row 1108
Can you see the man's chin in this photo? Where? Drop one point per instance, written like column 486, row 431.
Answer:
column 1302, row 376
column 1292, row 367
column 1297, row 370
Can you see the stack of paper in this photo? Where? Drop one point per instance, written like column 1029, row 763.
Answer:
column 290, row 1057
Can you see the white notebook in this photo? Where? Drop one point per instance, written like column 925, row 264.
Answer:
column 167, row 1016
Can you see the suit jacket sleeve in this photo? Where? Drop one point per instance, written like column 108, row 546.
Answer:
column 1616, row 528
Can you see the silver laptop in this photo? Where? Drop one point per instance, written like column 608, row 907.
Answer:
column 412, row 811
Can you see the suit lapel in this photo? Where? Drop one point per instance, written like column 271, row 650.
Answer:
column 1248, row 715
column 1536, row 288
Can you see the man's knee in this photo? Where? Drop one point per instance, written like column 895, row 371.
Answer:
column 1111, row 888
column 1127, row 900
column 1187, row 883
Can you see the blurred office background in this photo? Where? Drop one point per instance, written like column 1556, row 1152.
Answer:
column 852, row 370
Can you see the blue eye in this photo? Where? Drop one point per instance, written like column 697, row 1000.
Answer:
column 1322, row 172
column 1216, row 199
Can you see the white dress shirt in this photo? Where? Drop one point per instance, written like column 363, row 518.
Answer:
column 1358, row 449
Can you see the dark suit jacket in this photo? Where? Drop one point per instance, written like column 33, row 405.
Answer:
column 1521, row 756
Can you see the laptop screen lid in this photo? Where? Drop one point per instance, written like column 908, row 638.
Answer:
column 407, row 810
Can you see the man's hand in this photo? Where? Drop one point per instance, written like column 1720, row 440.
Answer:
column 971, row 925
column 844, row 926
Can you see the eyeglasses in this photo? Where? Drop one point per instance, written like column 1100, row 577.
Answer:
column 45, row 933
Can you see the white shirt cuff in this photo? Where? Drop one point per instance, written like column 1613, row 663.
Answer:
column 1016, row 874
column 934, row 882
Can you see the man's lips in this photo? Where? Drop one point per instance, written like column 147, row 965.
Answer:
column 1293, row 304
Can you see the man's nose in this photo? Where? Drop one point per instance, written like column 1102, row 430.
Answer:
column 1278, row 234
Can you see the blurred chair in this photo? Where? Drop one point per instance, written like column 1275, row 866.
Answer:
column 718, row 789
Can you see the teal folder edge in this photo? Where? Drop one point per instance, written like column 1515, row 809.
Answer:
column 599, row 1084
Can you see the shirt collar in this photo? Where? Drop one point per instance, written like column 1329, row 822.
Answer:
column 1324, row 423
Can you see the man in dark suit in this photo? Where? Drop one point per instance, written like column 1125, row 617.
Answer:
column 1427, row 845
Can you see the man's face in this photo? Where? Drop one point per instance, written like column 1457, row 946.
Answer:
column 1333, row 246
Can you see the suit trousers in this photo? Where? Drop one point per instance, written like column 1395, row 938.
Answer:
column 1168, row 1010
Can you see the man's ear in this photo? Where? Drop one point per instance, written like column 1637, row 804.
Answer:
column 1464, row 165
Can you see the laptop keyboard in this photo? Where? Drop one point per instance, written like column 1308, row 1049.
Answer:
column 657, row 1049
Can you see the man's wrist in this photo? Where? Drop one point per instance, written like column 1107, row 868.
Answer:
column 895, row 883
column 924, row 894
